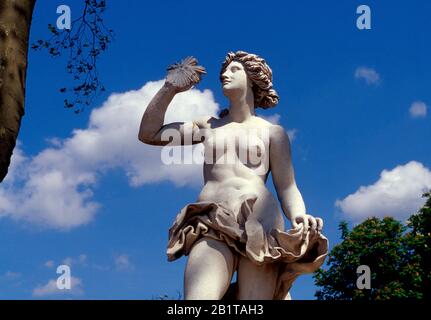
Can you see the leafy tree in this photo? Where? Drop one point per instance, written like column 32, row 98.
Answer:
column 419, row 244
column 84, row 42
column 398, row 257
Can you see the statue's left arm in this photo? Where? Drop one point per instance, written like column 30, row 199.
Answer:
column 284, row 181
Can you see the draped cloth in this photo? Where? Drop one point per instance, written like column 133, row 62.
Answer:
column 233, row 223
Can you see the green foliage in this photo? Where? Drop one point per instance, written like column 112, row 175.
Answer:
column 419, row 243
column 399, row 257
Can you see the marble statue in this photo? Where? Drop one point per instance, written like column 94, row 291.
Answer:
column 236, row 225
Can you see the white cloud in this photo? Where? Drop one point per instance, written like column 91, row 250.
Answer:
column 397, row 193
column 418, row 109
column 54, row 188
column 50, row 288
column 122, row 262
column 368, row 74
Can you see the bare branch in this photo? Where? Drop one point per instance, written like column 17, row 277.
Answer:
column 84, row 42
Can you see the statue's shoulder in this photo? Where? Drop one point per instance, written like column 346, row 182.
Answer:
column 262, row 121
column 273, row 127
column 276, row 131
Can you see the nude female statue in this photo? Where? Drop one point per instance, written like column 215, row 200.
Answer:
column 235, row 225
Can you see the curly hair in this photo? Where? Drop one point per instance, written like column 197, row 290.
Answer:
column 259, row 73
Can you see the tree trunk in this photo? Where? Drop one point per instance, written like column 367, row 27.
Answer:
column 15, row 20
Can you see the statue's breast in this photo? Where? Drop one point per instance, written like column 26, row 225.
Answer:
column 233, row 146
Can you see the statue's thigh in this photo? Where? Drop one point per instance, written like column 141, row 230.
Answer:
column 256, row 282
column 209, row 270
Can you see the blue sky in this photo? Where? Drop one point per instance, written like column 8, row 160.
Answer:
column 356, row 103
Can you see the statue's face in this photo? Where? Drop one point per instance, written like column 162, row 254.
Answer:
column 235, row 78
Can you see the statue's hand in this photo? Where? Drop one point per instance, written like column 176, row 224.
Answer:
column 178, row 88
column 183, row 76
column 308, row 222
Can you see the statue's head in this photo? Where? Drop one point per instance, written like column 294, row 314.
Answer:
column 242, row 71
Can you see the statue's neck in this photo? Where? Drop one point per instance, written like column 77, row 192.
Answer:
column 242, row 107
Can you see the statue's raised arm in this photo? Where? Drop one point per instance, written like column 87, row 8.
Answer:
column 181, row 77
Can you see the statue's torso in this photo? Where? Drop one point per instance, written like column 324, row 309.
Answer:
column 237, row 163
